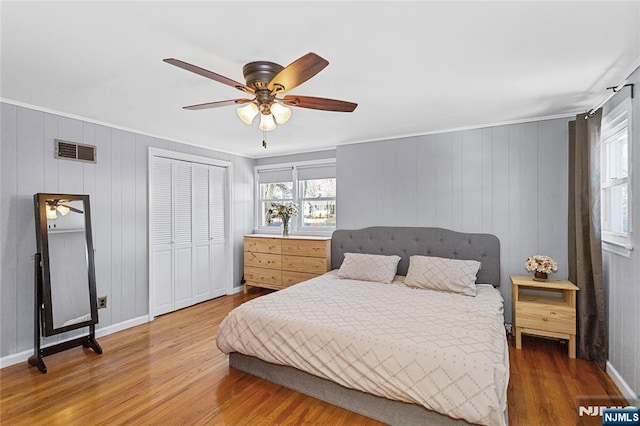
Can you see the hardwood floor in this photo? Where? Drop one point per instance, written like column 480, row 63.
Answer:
column 170, row 371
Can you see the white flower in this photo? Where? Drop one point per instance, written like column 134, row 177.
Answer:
column 282, row 210
column 541, row 263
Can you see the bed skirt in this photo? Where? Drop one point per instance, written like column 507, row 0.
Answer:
column 375, row 407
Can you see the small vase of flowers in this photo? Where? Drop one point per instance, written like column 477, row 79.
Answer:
column 541, row 266
column 284, row 211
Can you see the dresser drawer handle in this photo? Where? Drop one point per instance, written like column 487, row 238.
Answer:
column 545, row 319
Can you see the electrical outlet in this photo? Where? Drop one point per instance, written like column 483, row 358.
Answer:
column 508, row 327
column 102, row 302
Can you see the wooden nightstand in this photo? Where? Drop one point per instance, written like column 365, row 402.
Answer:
column 545, row 315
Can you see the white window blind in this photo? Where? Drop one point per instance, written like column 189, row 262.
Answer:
column 320, row 171
column 275, row 175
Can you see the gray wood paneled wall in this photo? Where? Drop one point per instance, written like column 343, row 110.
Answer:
column 510, row 181
column 117, row 186
column 622, row 274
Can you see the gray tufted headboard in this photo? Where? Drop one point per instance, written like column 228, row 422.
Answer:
column 406, row 241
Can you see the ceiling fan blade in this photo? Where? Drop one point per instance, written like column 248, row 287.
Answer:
column 319, row 103
column 297, row 72
column 209, row 74
column 217, row 104
column 73, row 209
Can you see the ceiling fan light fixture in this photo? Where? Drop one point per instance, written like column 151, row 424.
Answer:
column 63, row 210
column 266, row 123
column 51, row 212
column 247, row 113
column 281, row 113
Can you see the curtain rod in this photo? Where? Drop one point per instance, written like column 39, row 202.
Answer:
column 614, row 89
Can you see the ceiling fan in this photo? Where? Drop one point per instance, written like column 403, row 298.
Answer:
column 57, row 206
column 266, row 81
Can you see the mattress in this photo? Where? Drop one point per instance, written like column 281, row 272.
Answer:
column 444, row 351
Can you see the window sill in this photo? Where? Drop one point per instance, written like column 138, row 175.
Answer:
column 278, row 231
column 616, row 248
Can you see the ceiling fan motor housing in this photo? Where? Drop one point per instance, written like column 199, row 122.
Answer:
column 258, row 74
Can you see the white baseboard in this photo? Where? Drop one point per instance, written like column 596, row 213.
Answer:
column 620, row 382
column 23, row 356
column 122, row 326
column 236, row 290
column 13, row 359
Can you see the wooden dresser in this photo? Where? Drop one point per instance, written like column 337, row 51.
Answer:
column 275, row 262
column 544, row 315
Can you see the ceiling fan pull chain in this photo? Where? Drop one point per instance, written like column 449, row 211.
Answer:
column 264, row 137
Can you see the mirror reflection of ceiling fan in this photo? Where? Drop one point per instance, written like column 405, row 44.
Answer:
column 57, row 206
column 266, row 81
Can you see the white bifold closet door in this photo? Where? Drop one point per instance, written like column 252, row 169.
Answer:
column 188, row 233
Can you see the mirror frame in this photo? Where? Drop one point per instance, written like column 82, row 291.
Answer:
column 42, row 238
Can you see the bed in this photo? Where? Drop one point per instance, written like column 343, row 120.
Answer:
column 387, row 350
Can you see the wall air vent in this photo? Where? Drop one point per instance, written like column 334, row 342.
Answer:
column 75, row 151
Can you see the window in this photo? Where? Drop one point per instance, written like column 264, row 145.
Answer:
column 615, row 173
column 311, row 185
column 274, row 186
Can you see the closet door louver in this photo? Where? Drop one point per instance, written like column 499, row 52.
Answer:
column 162, row 228
column 218, row 202
column 200, row 202
column 182, row 230
column 202, row 265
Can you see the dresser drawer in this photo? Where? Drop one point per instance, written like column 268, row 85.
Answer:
column 263, row 245
column 262, row 260
column 312, row 265
column 558, row 319
column 291, row 278
column 259, row 275
column 310, row 248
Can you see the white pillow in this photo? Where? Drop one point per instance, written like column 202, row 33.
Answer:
column 369, row 267
column 437, row 273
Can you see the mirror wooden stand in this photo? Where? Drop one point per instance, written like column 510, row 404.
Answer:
column 64, row 274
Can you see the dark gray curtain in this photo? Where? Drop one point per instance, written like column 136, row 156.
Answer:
column 585, row 249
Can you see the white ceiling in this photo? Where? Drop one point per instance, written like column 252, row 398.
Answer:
column 413, row 68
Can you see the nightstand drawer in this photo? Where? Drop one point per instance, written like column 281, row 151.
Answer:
column 558, row 319
column 263, row 245
column 262, row 260
column 312, row 265
column 259, row 275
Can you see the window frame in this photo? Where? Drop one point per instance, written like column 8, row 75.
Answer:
column 613, row 126
column 295, row 226
column 302, row 200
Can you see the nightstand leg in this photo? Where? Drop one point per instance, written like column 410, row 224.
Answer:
column 572, row 346
column 245, row 288
column 518, row 338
